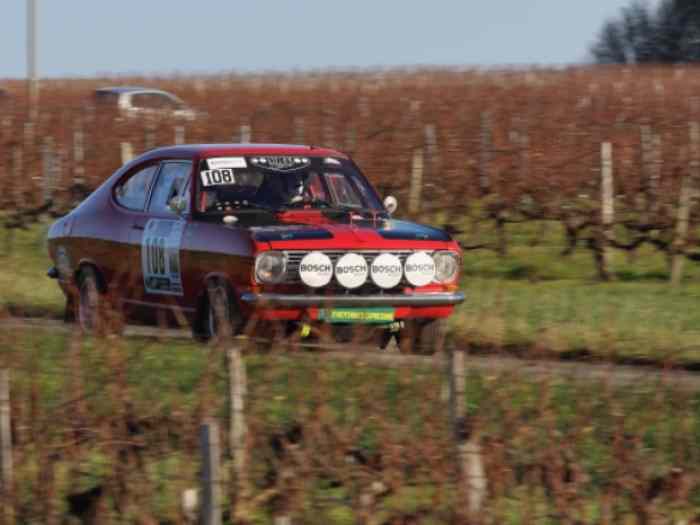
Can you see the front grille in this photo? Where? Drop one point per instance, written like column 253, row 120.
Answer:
column 294, row 258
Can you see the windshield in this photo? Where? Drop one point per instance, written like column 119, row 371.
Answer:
column 278, row 183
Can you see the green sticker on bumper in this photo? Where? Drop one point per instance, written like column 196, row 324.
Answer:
column 357, row 315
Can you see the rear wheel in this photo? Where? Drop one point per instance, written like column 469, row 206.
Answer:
column 89, row 301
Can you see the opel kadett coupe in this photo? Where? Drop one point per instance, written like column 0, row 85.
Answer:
column 293, row 237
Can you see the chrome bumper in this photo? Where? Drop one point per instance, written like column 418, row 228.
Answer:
column 419, row 299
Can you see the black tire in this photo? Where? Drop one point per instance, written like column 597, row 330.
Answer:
column 407, row 337
column 219, row 315
column 90, row 301
column 422, row 336
column 432, row 336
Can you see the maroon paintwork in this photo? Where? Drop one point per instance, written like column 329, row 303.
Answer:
column 108, row 237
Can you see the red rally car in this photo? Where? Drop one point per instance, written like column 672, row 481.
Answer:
column 290, row 235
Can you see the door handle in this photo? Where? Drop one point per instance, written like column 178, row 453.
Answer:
column 137, row 227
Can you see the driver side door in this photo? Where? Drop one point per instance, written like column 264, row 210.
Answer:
column 157, row 244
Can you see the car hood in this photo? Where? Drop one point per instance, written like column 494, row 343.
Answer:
column 358, row 232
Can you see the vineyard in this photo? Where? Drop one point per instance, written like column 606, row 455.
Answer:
column 613, row 155
column 552, row 180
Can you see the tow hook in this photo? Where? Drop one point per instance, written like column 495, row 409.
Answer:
column 395, row 327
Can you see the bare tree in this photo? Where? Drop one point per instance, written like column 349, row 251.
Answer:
column 668, row 33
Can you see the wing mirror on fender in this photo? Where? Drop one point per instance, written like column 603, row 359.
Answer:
column 390, row 204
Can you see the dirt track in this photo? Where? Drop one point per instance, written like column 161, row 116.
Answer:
column 618, row 375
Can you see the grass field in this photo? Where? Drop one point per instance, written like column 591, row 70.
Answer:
column 116, row 413
column 111, row 414
column 537, row 298
column 534, row 299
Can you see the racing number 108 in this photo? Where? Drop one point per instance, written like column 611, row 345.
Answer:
column 155, row 255
column 222, row 176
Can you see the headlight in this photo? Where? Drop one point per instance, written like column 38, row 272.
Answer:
column 270, row 267
column 446, row 266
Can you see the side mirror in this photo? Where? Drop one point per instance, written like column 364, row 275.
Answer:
column 178, row 205
column 390, row 204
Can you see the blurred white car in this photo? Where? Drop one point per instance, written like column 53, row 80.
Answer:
column 134, row 101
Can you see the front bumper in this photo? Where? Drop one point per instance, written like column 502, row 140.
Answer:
column 302, row 301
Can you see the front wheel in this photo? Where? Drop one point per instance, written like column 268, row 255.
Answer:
column 432, row 336
column 422, row 336
column 219, row 316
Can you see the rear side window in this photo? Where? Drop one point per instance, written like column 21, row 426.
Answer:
column 172, row 182
column 132, row 192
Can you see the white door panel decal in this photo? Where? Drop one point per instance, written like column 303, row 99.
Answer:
column 160, row 256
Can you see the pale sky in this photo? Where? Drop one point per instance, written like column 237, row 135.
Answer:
column 85, row 37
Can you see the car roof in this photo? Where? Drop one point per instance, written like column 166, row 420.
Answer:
column 223, row 150
column 118, row 90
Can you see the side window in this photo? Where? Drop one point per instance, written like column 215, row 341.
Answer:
column 132, row 192
column 342, row 190
column 153, row 101
column 172, row 182
column 141, row 100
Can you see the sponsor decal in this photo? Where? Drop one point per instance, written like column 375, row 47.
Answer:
column 316, row 269
column 217, row 177
column 378, row 315
column 419, row 269
column 226, row 162
column 386, row 270
column 281, row 163
column 351, row 270
column 160, row 256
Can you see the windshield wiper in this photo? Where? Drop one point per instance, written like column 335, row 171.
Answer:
column 363, row 212
column 333, row 207
column 316, row 203
column 244, row 207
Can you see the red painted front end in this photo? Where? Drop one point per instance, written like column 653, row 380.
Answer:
column 346, row 238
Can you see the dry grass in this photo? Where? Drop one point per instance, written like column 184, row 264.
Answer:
column 124, row 416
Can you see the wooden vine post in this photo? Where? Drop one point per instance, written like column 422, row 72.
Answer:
column 607, row 205
column 179, row 133
column 211, row 474
column 417, row 167
column 486, row 153
column 150, row 134
column 48, row 162
column 687, row 190
column 238, row 430
column 472, row 476
column 127, row 152
column 78, row 153
column 6, row 465
column 299, row 130
column 246, row 133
